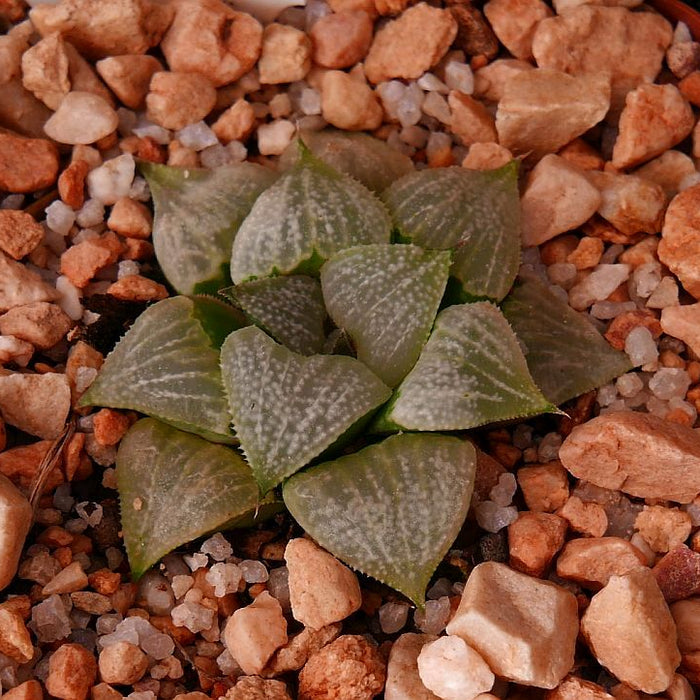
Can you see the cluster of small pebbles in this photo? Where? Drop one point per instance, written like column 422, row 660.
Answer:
column 577, row 574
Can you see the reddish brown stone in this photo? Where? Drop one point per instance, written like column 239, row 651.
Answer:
column 26, row 165
column 678, row 574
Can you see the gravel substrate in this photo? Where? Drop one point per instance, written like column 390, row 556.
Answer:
column 577, row 573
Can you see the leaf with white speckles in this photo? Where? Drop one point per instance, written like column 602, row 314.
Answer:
column 197, row 214
column 476, row 213
column 391, row 510
column 290, row 308
column 167, row 366
column 566, row 355
column 386, row 297
column 287, row 408
column 309, row 214
column 471, row 372
column 370, row 160
column 174, row 487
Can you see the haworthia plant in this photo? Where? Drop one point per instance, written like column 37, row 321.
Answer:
column 473, row 212
column 167, row 366
column 391, row 510
column 290, row 308
column 174, row 487
column 197, row 215
column 309, row 214
column 371, row 161
column 566, row 355
column 386, row 297
column 471, row 372
column 286, row 408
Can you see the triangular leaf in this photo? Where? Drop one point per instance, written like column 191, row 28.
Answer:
column 391, row 510
column 471, row 372
column 386, row 298
column 370, row 160
column 309, row 214
column 475, row 212
column 566, row 355
column 166, row 366
column 197, row 214
column 174, row 487
column 289, row 308
column 286, row 408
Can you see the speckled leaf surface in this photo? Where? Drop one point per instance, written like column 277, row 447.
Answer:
column 197, row 214
column 310, row 213
column 166, row 366
column 174, row 487
column 289, row 308
column 566, row 354
column 476, row 213
column 371, row 161
column 287, row 408
column 471, row 372
column 386, row 298
column 391, row 510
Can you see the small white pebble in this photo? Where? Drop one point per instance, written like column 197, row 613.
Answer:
column 181, row 584
column 669, row 383
column 217, row 547
column 69, row 299
column 629, row 385
column 459, row 76
column 274, row 137
column 196, row 561
column 254, row 571
column 431, row 83
column 91, row 213
column 60, row 217
column 393, row 617
column 433, row 619
column 435, row 105
column 127, row 268
column 492, row 517
column 640, row 346
column 197, row 136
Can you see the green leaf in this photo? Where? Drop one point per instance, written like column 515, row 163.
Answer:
column 167, row 366
column 371, row 161
column 197, row 214
column 288, row 408
column 391, row 510
column 309, row 214
column 470, row 373
column 386, row 298
column 289, row 308
column 566, row 354
column 475, row 212
column 174, row 487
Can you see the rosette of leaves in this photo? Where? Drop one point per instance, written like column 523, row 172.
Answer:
column 315, row 272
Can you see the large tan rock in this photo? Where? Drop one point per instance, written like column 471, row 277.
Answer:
column 453, row 670
column 533, row 540
column 19, row 285
column 348, row 103
column 26, row 165
column 591, row 561
column 683, row 322
column 211, row 38
column 679, row 248
column 655, row 118
column 627, row 46
column 411, row 44
column 15, row 522
column 53, row 67
column 20, row 110
column 38, row 404
column 637, row 453
column 178, row 99
column 129, row 76
column 686, row 615
column 99, row 28
column 542, row 110
column 40, row 323
column 558, row 197
column 574, row 688
column 629, row 629
column 630, row 203
column 20, row 233
column 350, row 667
column 668, row 171
column 253, row 634
column 321, row 589
column 514, row 23
column 524, row 628
column 545, row 487
column 490, row 81
column 72, row 672
column 341, row 39
column 471, row 121
column 402, row 679
column 663, row 529
column 81, row 118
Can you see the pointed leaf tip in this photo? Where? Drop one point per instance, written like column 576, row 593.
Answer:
column 287, row 408
column 175, row 487
column 391, row 510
